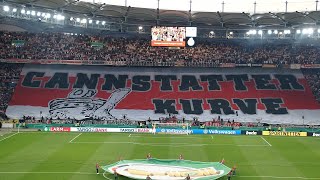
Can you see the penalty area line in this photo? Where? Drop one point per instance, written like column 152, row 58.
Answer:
column 74, row 138
column 9, row 136
column 265, row 141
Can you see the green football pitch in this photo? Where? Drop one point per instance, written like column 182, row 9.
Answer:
column 72, row 156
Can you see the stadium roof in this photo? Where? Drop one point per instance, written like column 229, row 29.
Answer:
column 150, row 17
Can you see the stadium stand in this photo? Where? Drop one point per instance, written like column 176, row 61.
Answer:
column 138, row 52
column 9, row 76
column 313, row 78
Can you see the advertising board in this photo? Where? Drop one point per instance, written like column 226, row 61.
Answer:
column 281, row 133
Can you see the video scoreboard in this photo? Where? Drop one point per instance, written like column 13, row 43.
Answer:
column 173, row 36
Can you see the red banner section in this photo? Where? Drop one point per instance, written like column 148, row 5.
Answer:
column 60, row 129
column 110, row 93
column 169, row 43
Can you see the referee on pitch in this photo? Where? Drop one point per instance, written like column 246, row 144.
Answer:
column 97, row 168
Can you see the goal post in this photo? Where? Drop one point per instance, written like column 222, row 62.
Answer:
column 185, row 127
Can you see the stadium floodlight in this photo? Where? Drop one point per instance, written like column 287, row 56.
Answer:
column 307, row 31
column 318, row 30
column 280, row 32
column 84, row 21
column 23, row 11
column 6, row 8
column 140, row 28
column 14, row 10
column 287, row 31
column 48, row 15
column 43, row 14
column 90, row 21
column 275, row 32
column 304, row 31
column 248, row 32
column 103, row 23
column 60, row 17
column 33, row 13
column 260, row 32
column 97, row 22
column 78, row 19
column 38, row 13
column 269, row 31
column 55, row 16
column 231, row 33
column 298, row 31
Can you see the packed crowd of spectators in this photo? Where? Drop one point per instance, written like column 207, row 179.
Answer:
column 130, row 51
column 313, row 78
column 9, row 76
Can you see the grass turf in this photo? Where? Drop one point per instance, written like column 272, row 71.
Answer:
column 40, row 155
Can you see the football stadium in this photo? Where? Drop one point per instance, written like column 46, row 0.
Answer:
column 159, row 89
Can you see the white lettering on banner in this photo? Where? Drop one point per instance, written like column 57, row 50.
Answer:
column 316, row 135
column 221, row 132
column 87, row 129
column 175, row 131
column 7, row 125
column 251, row 133
column 127, row 130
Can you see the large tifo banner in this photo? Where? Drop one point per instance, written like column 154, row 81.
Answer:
column 110, row 93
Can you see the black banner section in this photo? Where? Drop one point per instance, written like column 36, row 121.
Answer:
column 251, row 133
column 314, row 134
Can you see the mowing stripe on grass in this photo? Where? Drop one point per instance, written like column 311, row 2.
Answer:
column 168, row 144
column 9, row 136
column 75, row 138
column 265, row 141
column 165, row 137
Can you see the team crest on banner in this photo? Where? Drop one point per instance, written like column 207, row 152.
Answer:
column 83, row 103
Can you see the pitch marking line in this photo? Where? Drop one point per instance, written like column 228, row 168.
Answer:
column 172, row 145
column 104, row 175
column 89, row 173
column 129, row 135
column 74, row 138
column 164, row 137
column 9, row 136
column 265, row 141
column 277, row 177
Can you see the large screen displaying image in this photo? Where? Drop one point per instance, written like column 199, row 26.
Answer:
column 168, row 36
